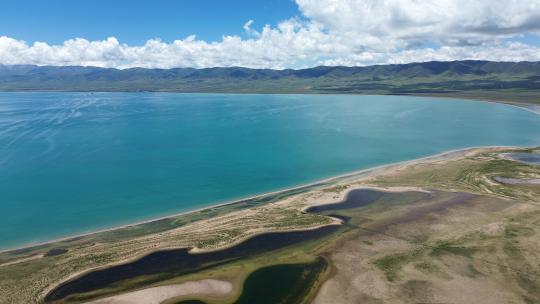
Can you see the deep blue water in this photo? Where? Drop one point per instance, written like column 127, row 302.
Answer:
column 75, row 162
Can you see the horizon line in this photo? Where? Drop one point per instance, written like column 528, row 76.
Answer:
column 268, row 69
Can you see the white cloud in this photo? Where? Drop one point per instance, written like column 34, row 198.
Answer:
column 249, row 30
column 406, row 22
column 331, row 32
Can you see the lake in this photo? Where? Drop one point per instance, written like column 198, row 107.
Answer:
column 76, row 162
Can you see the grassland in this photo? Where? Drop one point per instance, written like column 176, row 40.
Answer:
column 477, row 244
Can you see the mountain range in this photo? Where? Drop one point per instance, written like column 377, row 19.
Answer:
column 512, row 81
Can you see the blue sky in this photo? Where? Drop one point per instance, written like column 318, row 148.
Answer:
column 264, row 33
column 135, row 21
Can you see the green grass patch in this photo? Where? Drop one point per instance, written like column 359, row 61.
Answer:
column 427, row 267
column 392, row 264
column 446, row 247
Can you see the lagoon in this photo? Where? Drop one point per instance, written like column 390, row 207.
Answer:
column 77, row 162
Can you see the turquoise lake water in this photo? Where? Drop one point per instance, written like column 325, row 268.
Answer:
column 75, row 162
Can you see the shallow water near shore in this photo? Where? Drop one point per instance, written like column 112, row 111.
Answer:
column 76, row 162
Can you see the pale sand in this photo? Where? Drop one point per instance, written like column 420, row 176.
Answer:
column 156, row 295
column 517, row 181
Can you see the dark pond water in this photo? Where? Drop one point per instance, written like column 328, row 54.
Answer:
column 354, row 199
column 278, row 284
column 168, row 264
column 285, row 284
column 529, row 158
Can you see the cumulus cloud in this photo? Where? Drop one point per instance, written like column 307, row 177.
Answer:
column 329, row 32
column 402, row 23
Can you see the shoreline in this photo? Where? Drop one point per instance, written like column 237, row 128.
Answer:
column 532, row 107
column 318, row 183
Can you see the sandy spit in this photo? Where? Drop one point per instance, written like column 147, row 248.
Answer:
column 156, row 295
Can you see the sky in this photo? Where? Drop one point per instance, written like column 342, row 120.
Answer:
column 264, row 33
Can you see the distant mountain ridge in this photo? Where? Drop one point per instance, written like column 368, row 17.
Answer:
column 433, row 77
column 423, row 69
